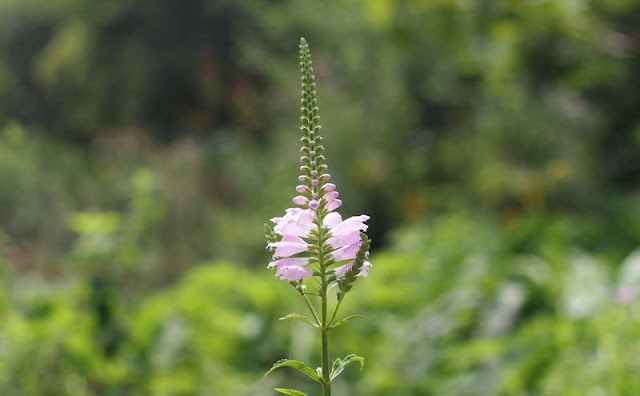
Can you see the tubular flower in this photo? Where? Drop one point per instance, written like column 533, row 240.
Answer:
column 346, row 240
column 292, row 227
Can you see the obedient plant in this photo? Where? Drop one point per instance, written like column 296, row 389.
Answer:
column 314, row 249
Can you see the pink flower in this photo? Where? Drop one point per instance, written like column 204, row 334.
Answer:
column 345, row 232
column 343, row 269
column 293, row 273
column 333, row 205
column 329, row 187
column 296, row 222
column 293, row 226
column 346, row 241
column 288, row 246
column 289, row 262
column 344, row 238
column 292, row 268
column 346, row 252
column 300, row 200
column 330, row 196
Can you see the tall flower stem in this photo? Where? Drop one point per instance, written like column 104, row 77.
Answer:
column 324, row 328
column 314, row 242
column 326, row 381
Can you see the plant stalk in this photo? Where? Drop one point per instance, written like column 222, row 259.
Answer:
column 324, row 328
column 326, row 381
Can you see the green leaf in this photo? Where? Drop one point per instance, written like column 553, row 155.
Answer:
column 336, row 363
column 339, row 368
column 291, row 392
column 345, row 320
column 296, row 364
column 300, row 318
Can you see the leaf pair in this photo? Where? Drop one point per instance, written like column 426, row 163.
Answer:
column 309, row 322
column 340, row 364
column 338, row 367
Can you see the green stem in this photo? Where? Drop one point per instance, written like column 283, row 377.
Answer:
column 326, row 381
column 335, row 311
column 313, row 311
column 324, row 328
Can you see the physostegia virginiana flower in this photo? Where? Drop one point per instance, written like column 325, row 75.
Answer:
column 313, row 241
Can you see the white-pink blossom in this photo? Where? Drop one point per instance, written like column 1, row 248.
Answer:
column 346, row 240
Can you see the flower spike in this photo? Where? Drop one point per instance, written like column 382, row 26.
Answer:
column 313, row 240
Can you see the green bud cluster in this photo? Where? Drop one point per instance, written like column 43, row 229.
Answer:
column 269, row 234
column 313, row 168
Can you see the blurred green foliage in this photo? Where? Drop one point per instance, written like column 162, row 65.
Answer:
column 496, row 145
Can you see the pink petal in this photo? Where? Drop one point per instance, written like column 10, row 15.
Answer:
column 364, row 270
column 296, row 222
column 330, row 196
column 333, row 205
column 292, row 238
column 300, row 200
column 286, row 249
column 293, row 273
column 343, row 269
column 332, row 219
column 289, row 262
column 343, row 240
column 329, row 187
column 355, row 223
column 347, row 252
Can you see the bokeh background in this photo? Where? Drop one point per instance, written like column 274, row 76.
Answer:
column 495, row 144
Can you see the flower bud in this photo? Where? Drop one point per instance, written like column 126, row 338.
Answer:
column 314, row 182
column 303, row 178
column 335, row 204
column 325, row 177
column 313, row 204
column 312, row 153
column 300, row 200
column 329, row 187
column 301, row 188
column 314, row 173
column 330, row 196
